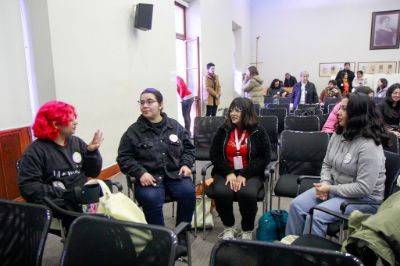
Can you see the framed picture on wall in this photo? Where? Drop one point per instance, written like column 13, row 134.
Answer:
column 378, row 67
column 331, row 69
column 385, row 30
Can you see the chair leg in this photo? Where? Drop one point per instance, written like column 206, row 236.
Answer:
column 279, row 202
column 189, row 250
column 173, row 209
column 195, row 221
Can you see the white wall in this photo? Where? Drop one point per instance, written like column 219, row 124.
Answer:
column 298, row 35
column 101, row 63
column 212, row 21
column 14, row 90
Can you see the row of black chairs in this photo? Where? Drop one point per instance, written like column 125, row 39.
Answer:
column 98, row 241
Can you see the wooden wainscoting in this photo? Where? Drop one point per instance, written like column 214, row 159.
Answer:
column 13, row 143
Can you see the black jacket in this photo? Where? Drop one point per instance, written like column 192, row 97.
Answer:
column 45, row 162
column 290, row 82
column 350, row 76
column 259, row 153
column 160, row 152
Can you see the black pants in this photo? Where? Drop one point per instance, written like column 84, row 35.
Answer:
column 246, row 197
column 186, row 107
column 211, row 110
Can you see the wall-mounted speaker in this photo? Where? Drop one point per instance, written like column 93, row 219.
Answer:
column 143, row 16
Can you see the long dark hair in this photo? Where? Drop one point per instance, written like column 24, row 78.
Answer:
column 389, row 110
column 248, row 117
column 272, row 86
column 384, row 84
column 363, row 120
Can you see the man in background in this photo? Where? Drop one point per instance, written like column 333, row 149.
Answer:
column 213, row 90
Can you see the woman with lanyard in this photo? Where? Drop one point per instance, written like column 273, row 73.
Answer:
column 240, row 152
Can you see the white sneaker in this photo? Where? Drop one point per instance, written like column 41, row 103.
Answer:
column 247, row 235
column 228, row 233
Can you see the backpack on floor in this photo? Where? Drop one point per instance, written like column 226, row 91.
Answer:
column 271, row 226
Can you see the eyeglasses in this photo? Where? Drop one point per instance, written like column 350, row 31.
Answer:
column 148, row 102
column 235, row 109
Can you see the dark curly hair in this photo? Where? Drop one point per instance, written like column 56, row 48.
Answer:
column 248, row 117
column 363, row 119
column 272, row 86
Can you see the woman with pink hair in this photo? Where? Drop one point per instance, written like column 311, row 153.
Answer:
column 57, row 162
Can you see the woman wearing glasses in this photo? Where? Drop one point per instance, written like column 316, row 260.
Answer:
column 157, row 151
column 240, row 152
column 390, row 109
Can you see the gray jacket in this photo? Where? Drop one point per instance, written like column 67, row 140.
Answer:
column 354, row 168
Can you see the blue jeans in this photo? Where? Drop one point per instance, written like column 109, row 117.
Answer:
column 299, row 219
column 152, row 199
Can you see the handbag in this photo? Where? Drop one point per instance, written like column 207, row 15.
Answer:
column 271, row 226
column 120, row 207
column 210, row 205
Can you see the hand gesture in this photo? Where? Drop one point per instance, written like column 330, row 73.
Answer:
column 231, row 179
column 147, row 180
column 185, row 171
column 96, row 141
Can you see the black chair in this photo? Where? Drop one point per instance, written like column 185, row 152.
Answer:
column 257, row 108
column 330, row 100
column 23, row 232
column 285, row 100
column 280, row 105
column 270, row 125
column 256, row 253
column 308, row 112
column 225, row 112
column 100, row 241
column 330, row 107
column 280, row 113
column 203, row 134
column 305, row 106
column 393, row 144
column 302, row 123
column 268, row 100
column 301, row 157
column 322, row 120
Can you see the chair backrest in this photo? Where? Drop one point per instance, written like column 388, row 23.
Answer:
column 302, row 123
column 280, row 113
column 257, row 108
column 268, row 100
column 203, row 134
column 100, row 241
column 308, row 112
column 308, row 106
column 225, row 112
column 270, row 125
column 23, row 232
column 330, row 107
column 302, row 153
column 279, row 105
column 285, row 100
column 393, row 145
column 256, row 253
column 322, row 120
column 330, row 100
column 392, row 165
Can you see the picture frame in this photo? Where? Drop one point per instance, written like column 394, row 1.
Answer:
column 331, row 69
column 385, row 67
column 385, row 30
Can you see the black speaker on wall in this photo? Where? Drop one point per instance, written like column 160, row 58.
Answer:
column 143, row 16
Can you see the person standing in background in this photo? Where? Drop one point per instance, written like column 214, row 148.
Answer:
column 344, row 84
column 359, row 80
column 304, row 92
column 289, row 80
column 213, row 89
column 252, row 84
column 350, row 74
column 187, row 101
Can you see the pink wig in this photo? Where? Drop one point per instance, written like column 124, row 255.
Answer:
column 54, row 111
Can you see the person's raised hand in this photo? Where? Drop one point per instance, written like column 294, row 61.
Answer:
column 96, row 141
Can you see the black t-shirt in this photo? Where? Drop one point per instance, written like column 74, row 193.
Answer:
column 46, row 168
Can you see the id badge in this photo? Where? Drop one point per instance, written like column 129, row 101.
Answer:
column 237, row 162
